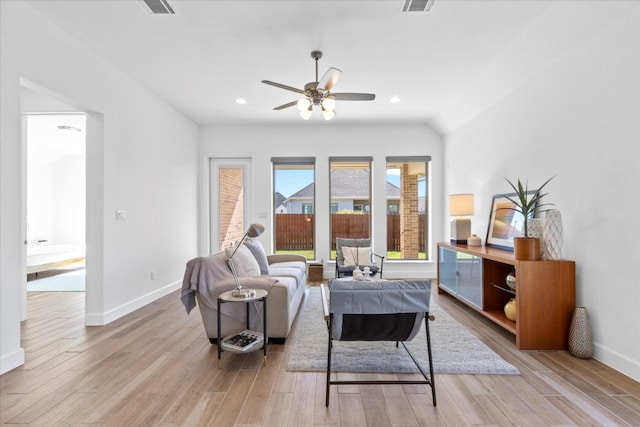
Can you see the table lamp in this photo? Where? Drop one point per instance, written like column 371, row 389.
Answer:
column 254, row 230
column 460, row 205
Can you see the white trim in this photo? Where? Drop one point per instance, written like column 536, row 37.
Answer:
column 11, row 360
column 101, row 319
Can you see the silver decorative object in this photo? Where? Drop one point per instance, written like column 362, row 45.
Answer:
column 552, row 235
column 580, row 338
column 511, row 280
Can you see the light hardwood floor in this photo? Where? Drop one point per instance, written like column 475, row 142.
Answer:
column 156, row 367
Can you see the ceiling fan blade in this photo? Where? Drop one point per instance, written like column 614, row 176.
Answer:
column 281, row 86
column 329, row 79
column 287, row 105
column 353, row 96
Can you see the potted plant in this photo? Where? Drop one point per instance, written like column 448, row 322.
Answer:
column 527, row 202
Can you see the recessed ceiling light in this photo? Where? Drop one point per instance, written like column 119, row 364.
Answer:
column 394, row 100
column 241, row 101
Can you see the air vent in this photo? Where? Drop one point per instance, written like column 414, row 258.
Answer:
column 411, row 6
column 157, row 6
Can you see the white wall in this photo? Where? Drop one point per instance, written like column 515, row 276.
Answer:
column 39, row 201
column 69, row 200
column 141, row 157
column 56, row 200
column 578, row 119
column 323, row 141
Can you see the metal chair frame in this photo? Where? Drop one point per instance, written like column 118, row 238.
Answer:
column 428, row 379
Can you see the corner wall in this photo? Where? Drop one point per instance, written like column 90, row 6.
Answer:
column 578, row 119
column 141, row 157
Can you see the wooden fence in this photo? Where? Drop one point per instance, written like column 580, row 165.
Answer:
column 295, row 231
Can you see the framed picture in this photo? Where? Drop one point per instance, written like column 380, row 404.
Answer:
column 505, row 222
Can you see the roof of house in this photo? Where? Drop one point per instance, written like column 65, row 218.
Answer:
column 348, row 184
column 279, row 199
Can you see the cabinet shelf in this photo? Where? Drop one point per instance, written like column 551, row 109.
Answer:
column 502, row 288
column 545, row 297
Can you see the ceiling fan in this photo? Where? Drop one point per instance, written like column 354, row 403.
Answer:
column 319, row 93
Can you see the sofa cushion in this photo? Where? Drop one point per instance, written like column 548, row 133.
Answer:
column 243, row 261
column 300, row 265
column 259, row 254
column 276, row 271
column 290, row 283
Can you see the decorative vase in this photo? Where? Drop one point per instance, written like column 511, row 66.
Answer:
column 510, row 309
column 552, row 235
column 511, row 280
column 526, row 248
column 580, row 338
column 535, row 227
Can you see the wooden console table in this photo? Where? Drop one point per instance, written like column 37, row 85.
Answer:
column 545, row 292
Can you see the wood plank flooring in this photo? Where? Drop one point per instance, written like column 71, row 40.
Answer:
column 155, row 367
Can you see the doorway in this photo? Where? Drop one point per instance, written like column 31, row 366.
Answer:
column 56, row 202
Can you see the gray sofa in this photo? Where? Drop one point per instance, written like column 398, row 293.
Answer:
column 283, row 275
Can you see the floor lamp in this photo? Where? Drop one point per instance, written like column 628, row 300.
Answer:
column 254, row 230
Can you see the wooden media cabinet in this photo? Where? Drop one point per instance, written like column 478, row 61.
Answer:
column 545, row 292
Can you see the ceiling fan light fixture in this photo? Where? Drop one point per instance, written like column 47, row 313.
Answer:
column 328, row 104
column 318, row 93
column 328, row 114
column 306, row 114
column 304, row 104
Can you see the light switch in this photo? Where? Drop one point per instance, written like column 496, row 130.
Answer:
column 121, row 215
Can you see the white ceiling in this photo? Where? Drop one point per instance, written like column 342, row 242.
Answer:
column 52, row 136
column 446, row 65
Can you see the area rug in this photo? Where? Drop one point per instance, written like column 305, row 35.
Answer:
column 455, row 350
column 73, row 281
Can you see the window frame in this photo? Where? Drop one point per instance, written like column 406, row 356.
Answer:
column 427, row 206
column 282, row 163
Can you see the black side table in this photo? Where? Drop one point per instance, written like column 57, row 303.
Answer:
column 227, row 297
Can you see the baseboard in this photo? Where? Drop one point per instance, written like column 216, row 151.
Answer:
column 100, row 319
column 12, row 360
column 617, row 361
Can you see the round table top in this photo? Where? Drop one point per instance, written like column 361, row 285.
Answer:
column 228, row 296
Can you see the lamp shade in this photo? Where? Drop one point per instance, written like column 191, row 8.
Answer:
column 306, row 114
column 255, row 230
column 461, row 204
column 328, row 114
column 303, row 104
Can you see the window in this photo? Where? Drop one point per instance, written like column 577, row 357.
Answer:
column 350, row 190
column 293, row 203
column 230, row 193
column 407, row 207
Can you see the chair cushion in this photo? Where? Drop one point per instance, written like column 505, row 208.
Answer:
column 243, row 261
column 350, row 299
column 257, row 250
column 356, row 255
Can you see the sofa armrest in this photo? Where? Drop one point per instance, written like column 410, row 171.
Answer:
column 325, row 302
column 286, row 258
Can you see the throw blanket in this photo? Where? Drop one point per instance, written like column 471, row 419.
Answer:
column 210, row 276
